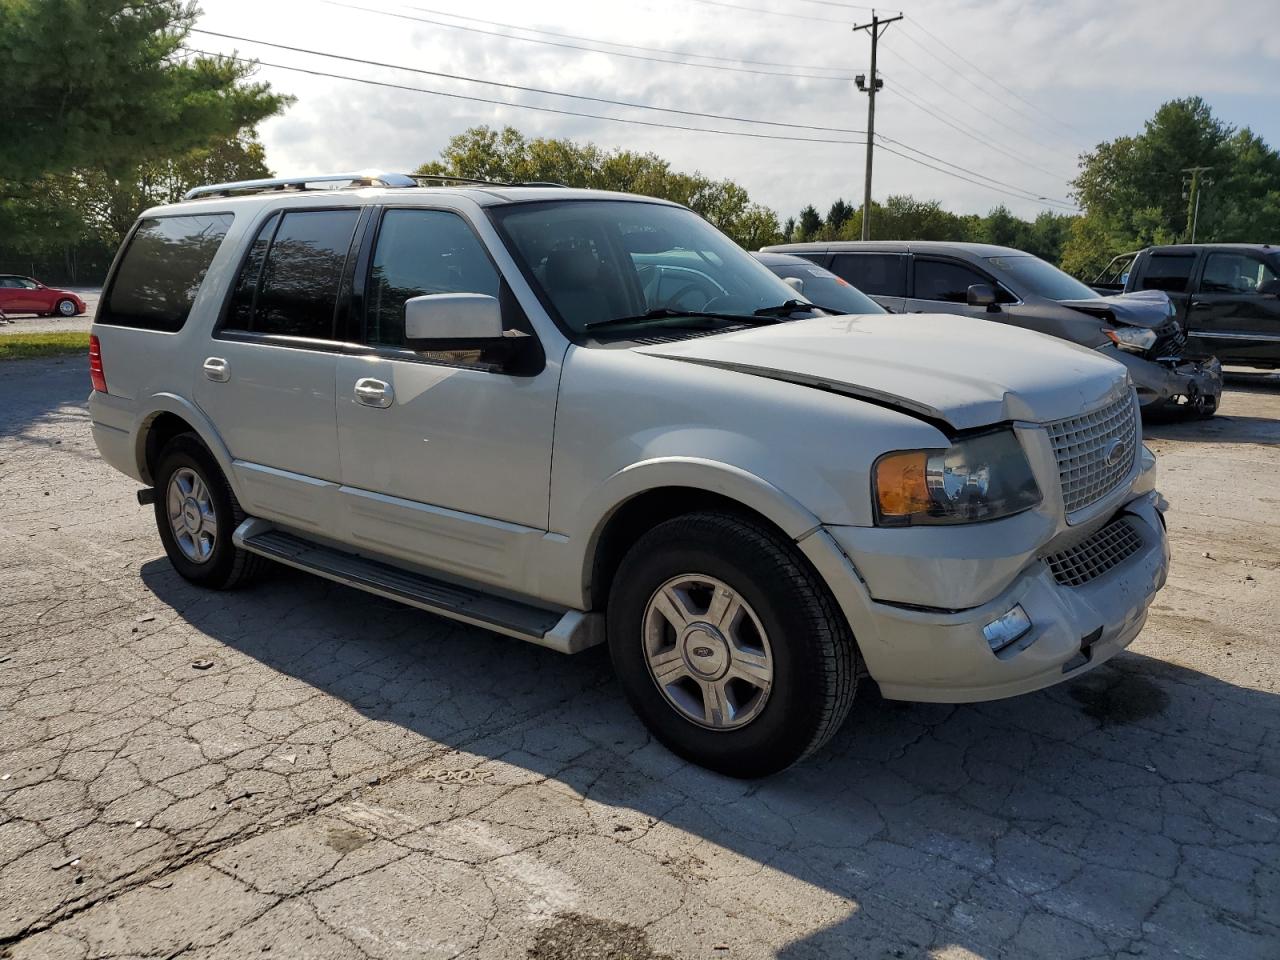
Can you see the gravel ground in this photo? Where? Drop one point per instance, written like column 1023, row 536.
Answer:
column 26, row 323
column 349, row 778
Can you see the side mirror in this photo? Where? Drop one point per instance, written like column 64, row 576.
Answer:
column 981, row 295
column 1269, row 288
column 452, row 321
column 795, row 283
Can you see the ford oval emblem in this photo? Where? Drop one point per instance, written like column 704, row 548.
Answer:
column 1115, row 452
column 702, row 652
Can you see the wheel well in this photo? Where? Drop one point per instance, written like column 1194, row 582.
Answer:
column 160, row 431
column 645, row 511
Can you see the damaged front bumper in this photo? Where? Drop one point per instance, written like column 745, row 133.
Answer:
column 1076, row 621
column 1169, row 383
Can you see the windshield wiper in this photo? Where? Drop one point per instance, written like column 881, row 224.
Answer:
column 793, row 306
column 666, row 313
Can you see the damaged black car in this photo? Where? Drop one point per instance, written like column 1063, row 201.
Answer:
column 1139, row 330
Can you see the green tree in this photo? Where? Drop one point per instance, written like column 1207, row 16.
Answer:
column 838, row 216
column 809, row 226
column 104, row 85
column 109, row 201
column 508, row 156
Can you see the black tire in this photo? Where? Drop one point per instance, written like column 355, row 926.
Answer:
column 57, row 308
column 227, row 566
column 814, row 654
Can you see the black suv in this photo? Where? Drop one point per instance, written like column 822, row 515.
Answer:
column 1226, row 294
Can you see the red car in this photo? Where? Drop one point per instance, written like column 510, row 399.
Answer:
column 24, row 295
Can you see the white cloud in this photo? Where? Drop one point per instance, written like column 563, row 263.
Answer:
column 1093, row 69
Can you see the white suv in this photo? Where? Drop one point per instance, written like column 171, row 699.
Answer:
column 569, row 416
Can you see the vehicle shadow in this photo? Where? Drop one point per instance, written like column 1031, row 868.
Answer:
column 1223, row 428
column 1072, row 822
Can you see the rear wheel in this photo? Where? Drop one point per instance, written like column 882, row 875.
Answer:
column 196, row 513
column 728, row 646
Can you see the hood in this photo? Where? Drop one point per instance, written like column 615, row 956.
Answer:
column 1144, row 308
column 961, row 371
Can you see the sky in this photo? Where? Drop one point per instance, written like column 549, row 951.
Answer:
column 1003, row 96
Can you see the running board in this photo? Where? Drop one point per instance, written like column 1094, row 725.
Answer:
column 567, row 631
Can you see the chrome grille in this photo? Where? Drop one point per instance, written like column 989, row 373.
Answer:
column 1090, row 559
column 1081, row 446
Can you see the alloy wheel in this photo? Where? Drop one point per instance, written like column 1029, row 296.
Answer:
column 707, row 651
column 191, row 515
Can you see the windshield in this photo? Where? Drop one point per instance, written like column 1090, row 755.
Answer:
column 1032, row 275
column 819, row 285
column 600, row 260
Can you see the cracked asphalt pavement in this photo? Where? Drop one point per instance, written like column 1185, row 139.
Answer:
column 348, row 778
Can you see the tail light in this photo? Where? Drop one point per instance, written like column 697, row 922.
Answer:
column 97, row 376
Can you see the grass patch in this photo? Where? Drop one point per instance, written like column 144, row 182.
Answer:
column 25, row 346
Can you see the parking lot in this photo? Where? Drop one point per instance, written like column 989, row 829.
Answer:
column 307, row 770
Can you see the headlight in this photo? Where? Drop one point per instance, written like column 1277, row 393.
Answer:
column 978, row 478
column 1133, row 339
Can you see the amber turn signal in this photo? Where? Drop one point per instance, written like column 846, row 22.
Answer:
column 901, row 489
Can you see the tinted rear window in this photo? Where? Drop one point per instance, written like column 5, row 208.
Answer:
column 161, row 271
column 876, row 274
column 289, row 283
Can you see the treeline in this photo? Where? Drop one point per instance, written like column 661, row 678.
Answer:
column 906, row 218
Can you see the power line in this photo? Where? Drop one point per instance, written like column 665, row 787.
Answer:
column 526, row 89
column 610, row 43
column 521, row 106
column 1030, row 194
column 983, row 90
column 792, row 138
column 773, row 13
column 925, row 30
column 847, row 6
column 986, row 115
column 911, row 97
column 584, row 49
column 966, row 179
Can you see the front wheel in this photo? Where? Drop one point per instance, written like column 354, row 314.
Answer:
column 728, row 645
column 66, row 308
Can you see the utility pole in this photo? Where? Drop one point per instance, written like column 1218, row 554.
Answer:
column 1193, row 201
column 875, row 28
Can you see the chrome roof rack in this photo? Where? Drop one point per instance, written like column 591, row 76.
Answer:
column 366, row 178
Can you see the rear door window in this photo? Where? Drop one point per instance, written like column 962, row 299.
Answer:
column 290, row 280
column 1167, row 271
column 875, row 274
column 161, row 271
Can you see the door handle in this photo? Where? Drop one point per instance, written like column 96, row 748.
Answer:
column 216, row 369
column 374, row 393
column 1199, row 303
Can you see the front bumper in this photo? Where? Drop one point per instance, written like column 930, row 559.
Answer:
column 1173, row 381
column 935, row 655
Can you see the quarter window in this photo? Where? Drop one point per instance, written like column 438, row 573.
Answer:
column 877, row 274
column 1233, row 273
column 161, row 271
column 289, row 283
column 421, row 252
column 1167, row 271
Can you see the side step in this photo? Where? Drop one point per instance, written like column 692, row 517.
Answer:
column 567, row 631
